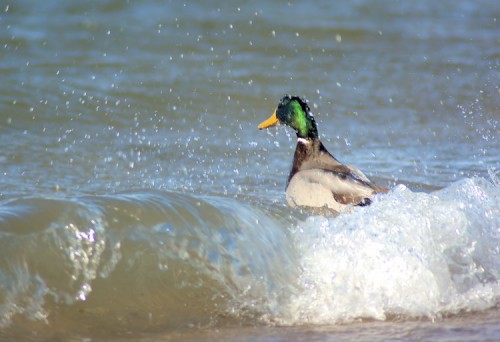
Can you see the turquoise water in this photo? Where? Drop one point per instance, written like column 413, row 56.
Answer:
column 138, row 198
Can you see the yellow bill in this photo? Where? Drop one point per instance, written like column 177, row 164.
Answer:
column 272, row 121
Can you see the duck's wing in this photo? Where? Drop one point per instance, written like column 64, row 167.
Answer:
column 318, row 179
column 356, row 173
column 345, row 187
column 324, row 160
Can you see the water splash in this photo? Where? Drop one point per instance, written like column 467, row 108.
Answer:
column 407, row 255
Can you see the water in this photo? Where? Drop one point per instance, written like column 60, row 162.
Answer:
column 139, row 201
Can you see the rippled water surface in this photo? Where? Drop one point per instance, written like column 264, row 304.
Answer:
column 139, row 200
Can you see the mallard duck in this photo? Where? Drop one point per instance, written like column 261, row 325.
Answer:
column 317, row 179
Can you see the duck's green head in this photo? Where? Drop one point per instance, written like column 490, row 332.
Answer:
column 294, row 112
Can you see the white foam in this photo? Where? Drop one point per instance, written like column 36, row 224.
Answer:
column 408, row 254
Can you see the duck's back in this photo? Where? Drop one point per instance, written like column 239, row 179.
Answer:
column 318, row 180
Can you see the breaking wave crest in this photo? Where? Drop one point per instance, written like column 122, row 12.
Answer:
column 146, row 259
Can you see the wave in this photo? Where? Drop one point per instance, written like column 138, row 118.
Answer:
column 148, row 258
column 408, row 255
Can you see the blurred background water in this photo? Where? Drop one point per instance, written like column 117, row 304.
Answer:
column 136, row 192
